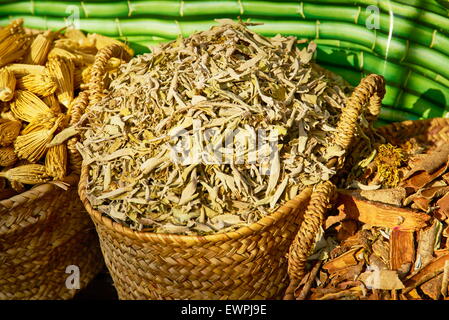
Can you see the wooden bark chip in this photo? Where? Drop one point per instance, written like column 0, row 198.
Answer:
column 381, row 215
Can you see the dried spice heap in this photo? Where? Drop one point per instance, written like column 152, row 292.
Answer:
column 40, row 76
column 391, row 240
column 210, row 85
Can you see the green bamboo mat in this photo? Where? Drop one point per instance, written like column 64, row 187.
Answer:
column 410, row 48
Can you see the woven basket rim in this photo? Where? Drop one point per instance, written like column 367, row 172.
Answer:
column 35, row 193
column 266, row 221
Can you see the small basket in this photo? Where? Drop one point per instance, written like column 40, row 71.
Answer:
column 249, row 263
column 42, row 232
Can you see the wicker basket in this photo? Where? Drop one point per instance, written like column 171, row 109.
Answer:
column 42, row 232
column 249, row 263
column 431, row 130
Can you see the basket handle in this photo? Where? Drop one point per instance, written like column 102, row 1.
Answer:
column 90, row 96
column 96, row 85
column 368, row 94
column 302, row 245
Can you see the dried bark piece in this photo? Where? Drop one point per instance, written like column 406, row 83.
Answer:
column 392, row 196
column 446, row 178
column 426, row 244
column 349, row 273
column 346, row 229
column 421, row 203
column 423, row 178
column 402, row 251
column 333, row 219
column 381, row 280
column 432, row 288
column 434, row 268
column 443, row 206
column 381, row 248
column 382, row 215
column 428, row 162
column 345, row 260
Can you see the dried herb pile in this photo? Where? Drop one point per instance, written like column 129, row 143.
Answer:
column 390, row 240
column 41, row 74
column 227, row 78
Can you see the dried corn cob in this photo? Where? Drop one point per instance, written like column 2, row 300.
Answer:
column 78, row 57
column 7, row 156
column 41, row 84
column 27, row 174
column 21, row 69
column 7, row 84
column 103, row 41
column 86, row 45
column 33, row 145
column 64, row 54
column 56, row 161
column 44, row 121
column 15, row 27
column 76, row 35
column 53, row 103
column 40, row 48
column 63, row 71
column 27, row 106
column 9, row 130
column 13, row 48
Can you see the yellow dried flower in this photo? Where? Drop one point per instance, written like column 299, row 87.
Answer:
column 388, row 161
column 44, row 121
column 27, row 174
column 53, row 103
column 27, row 106
column 33, row 144
column 56, row 161
column 7, row 156
column 13, row 48
column 41, row 84
column 9, row 130
column 62, row 70
column 15, row 27
column 39, row 48
column 7, row 84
